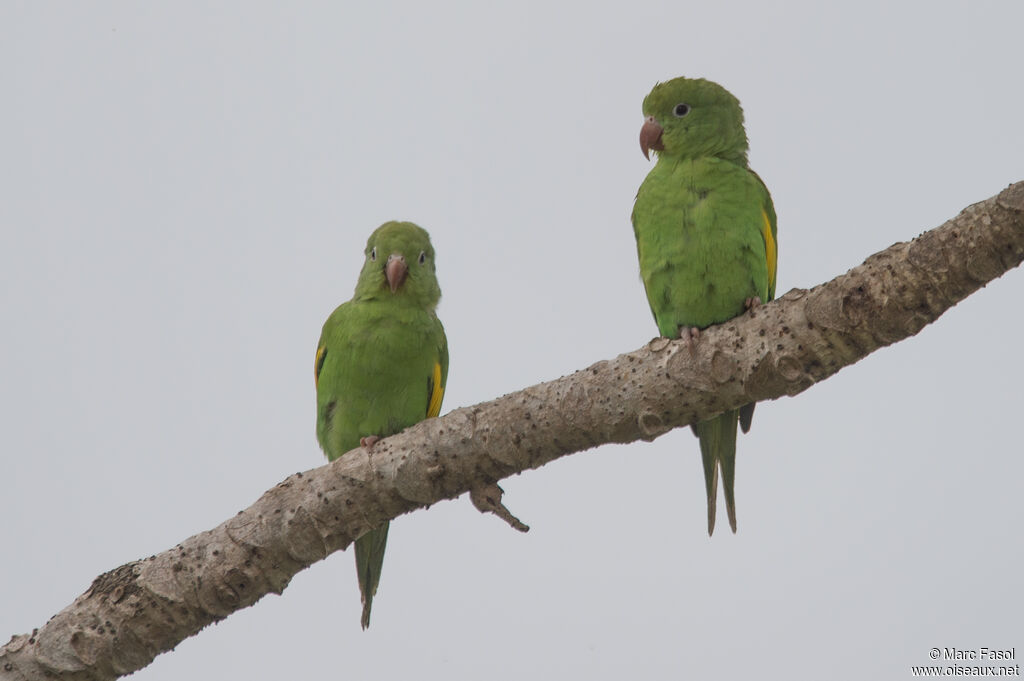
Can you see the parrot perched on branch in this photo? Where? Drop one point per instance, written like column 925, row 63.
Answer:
column 706, row 238
column 381, row 363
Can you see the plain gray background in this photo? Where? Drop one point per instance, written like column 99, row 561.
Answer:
column 187, row 189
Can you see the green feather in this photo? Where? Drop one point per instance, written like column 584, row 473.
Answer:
column 705, row 230
column 381, row 365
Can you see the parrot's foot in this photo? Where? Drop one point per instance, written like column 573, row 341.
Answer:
column 369, row 441
column 751, row 303
column 690, row 334
column 487, row 499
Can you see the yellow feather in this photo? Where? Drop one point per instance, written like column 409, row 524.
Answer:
column 318, row 364
column 436, row 393
column 769, row 249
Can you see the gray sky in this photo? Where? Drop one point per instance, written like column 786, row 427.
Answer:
column 187, row 192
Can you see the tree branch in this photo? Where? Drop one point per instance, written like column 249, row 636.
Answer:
column 141, row 609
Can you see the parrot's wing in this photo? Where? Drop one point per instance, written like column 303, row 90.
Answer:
column 770, row 233
column 318, row 364
column 324, row 405
column 636, row 233
column 435, row 388
column 747, row 416
column 439, row 376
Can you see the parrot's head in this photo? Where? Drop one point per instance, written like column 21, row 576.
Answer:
column 399, row 266
column 693, row 118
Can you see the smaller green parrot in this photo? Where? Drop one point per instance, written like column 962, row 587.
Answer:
column 706, row 237
column 381, row 364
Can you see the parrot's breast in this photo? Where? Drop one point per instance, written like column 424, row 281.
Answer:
column 702, row 254
column 379, row 381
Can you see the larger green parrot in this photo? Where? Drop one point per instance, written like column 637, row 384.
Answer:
column 705, row 235
column 381, row 363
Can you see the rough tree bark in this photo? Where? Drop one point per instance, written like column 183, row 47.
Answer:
column 139, row 610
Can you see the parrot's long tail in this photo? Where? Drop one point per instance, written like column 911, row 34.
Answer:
column 369, row 560
column 718, row 451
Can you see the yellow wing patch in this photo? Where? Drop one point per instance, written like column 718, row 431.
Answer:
column 436, row 392
column 770, row 252
column 318, row 364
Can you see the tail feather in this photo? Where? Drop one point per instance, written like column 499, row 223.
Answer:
column 369, row 561
column 718, row 453
column 710, row 481
column 727, row 462
column 747, row 416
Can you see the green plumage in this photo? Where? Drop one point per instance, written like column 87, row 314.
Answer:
column 705, row 232
column 381, row 363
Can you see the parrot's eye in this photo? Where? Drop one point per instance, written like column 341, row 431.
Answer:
column 373, row 253
column 681, row 110
column 423, row 257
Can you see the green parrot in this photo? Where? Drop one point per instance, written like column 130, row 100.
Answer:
column 381, row 363
column 706, row 238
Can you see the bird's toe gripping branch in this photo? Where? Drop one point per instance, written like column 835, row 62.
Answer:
column 690, row 334
column 486, row 496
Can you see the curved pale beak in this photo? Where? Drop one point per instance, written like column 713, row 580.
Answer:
column 395, row 270
column 650, row 137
